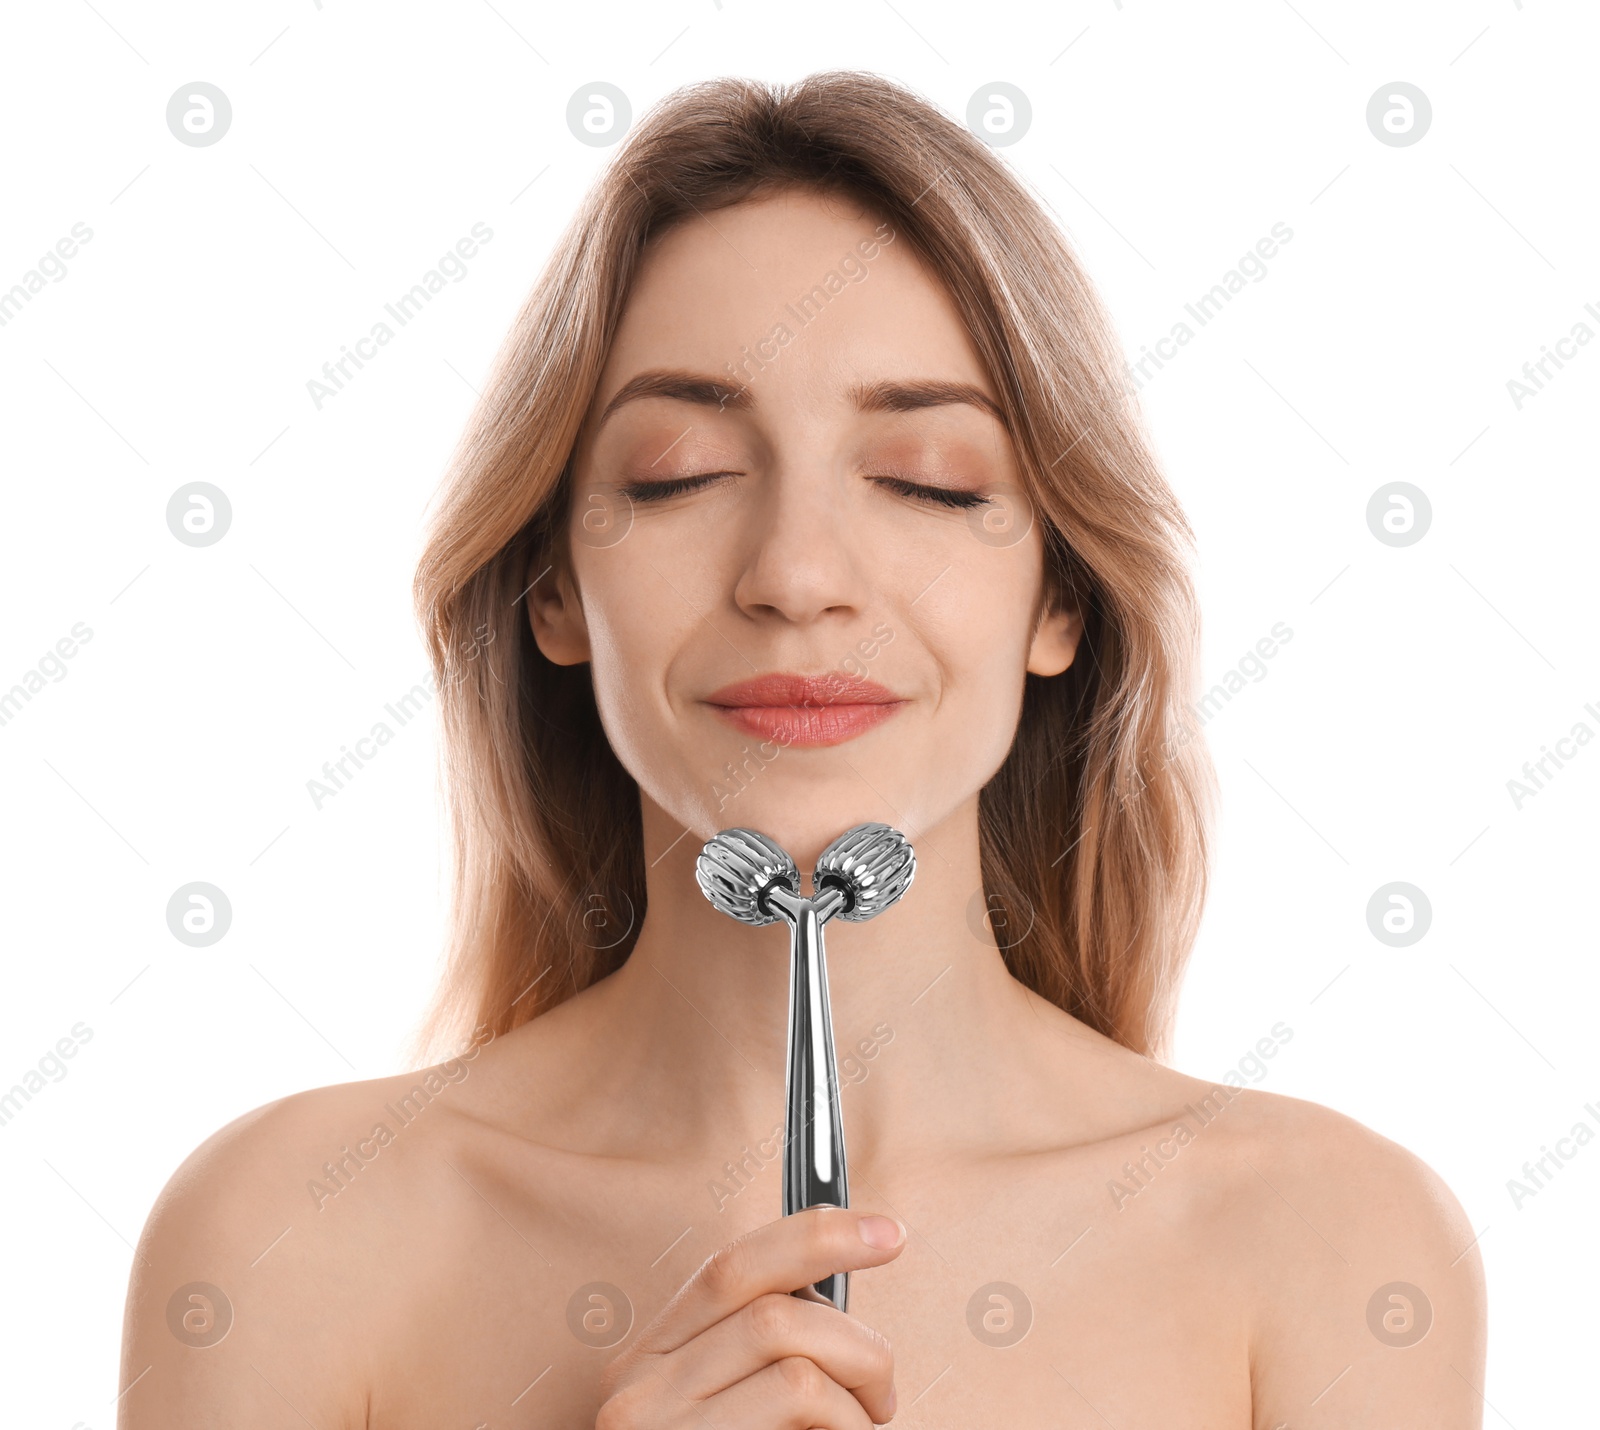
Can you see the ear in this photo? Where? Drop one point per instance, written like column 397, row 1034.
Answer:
column 1055, row 642
column 555, row 611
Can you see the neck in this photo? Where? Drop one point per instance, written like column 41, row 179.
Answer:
column 934, row 1037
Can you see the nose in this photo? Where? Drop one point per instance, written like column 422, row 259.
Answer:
column 803, row 556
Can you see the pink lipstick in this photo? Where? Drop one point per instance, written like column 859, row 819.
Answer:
column 792, row 709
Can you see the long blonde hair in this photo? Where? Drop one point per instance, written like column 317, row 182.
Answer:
column 1094, row 832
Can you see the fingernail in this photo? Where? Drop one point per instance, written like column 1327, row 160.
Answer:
column 881, row 1231
column 893, row 1400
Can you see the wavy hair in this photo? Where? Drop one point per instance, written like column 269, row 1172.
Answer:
column 1094, row 831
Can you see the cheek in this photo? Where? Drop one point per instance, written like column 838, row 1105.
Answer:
column 977, row 622
column 980, row 608
column 633, row 620
column 988, row 659
column 643, row 629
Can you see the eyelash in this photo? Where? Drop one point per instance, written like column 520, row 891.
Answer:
column 938, row 496
column 660, row 491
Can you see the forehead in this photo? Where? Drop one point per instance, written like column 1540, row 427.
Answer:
column 797, row 296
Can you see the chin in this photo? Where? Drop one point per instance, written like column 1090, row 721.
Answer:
column 808, row 816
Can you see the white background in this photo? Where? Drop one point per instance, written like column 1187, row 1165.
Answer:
column 1167, row 138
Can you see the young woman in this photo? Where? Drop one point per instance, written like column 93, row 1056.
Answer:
column 805, row 493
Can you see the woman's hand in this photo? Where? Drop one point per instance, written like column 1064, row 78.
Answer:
column 733, row 1347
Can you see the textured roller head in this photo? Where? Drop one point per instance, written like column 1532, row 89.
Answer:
column 872, row 865
column 738, row 866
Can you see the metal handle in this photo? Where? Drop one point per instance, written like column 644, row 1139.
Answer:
column 814, row 1165
column 750, row 878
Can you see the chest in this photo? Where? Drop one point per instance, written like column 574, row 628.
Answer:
column 1017, row 1301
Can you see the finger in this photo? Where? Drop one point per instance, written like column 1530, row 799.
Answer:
column 793, row 1394
column 781, row 1256
column 774, row 1327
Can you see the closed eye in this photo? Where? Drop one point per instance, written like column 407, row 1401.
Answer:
column 653, row 491
column 939, row 496
column 660, row 491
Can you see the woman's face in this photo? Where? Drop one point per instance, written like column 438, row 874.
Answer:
column 790, row 481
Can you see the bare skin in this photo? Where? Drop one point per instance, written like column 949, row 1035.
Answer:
column 1072, row 1258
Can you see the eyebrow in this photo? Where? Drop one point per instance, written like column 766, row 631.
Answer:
column 884, row 396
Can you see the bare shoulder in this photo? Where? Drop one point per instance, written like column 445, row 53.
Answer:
column 266, row 1261
column 1328, row 1267
column 1339, row 1262
column 1365, row 1299
column 1365, row 1179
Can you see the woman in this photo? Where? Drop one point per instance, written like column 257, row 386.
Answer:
column 805, row 494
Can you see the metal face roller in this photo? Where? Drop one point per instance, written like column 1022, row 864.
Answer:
column 750, row 878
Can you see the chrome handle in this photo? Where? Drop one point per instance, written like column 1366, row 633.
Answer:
column 815, row 1169
column 750, row 878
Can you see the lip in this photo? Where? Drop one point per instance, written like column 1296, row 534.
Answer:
column 810, row 710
